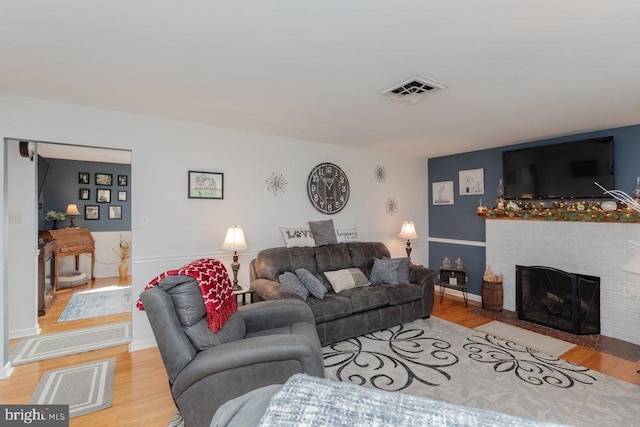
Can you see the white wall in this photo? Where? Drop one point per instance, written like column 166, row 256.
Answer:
column 181, row 229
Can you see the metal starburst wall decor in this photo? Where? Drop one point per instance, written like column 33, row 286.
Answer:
column 276, row 184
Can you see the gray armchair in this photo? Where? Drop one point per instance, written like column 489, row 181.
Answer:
column 261, row 344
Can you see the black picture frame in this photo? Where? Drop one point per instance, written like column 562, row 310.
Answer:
column 84, row 194
column 206, row 185
column 103, row 195
column 115, row 212
column 104, row 179
column 83, row 178
column 122, row 196
column 91, row 212
column 122, row 180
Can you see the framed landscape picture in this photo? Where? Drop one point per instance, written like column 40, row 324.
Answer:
column 471, row 181
column 104, row 179
column 206, row 185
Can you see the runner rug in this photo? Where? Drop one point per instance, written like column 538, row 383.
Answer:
column 97, row 302
column 85, row 388
column 440, row 360
column 48, row 346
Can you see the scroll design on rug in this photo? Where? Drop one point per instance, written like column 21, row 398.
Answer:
column 360, row 363
column 528, row 365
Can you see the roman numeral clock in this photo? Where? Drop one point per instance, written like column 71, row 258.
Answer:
column 328, row 188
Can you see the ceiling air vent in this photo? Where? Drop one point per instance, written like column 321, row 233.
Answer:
column 413, row 89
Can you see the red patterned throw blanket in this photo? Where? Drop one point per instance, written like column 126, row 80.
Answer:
column 217, row 293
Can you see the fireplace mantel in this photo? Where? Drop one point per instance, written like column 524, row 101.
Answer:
column 570, row 214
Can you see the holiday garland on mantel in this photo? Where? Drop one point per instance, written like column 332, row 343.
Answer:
column 562, row 211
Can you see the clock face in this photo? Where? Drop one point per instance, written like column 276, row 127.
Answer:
column 328, row 188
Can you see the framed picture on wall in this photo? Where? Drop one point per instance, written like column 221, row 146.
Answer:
column 206, row 185
column 122, row 196
column 471, row 181
column 103, row 195
column 115, row 212
column 442, row 192
column 122, row 180
column 91, row 212
column 84, row 194
column 104, row 179
column 83, row 178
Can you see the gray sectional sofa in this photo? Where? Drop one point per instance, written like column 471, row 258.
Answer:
column 351, row 312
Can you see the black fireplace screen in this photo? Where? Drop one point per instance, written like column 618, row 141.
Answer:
column 565, row 301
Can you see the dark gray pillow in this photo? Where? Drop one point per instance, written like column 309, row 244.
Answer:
column 403, row 270
column 292, row 282
column 311, row 282
column 323, row 232
column 385, row 271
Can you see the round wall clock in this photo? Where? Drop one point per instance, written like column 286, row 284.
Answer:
column 328, row 188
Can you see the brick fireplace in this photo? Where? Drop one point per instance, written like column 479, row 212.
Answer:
column 589, row 248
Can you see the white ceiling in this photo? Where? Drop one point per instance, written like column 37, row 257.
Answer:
column 516, row 70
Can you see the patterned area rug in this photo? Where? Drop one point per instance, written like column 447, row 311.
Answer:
column 85, row 388
column 440, row 360
column 97, row 302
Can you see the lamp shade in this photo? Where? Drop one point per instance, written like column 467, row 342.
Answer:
column 408, row 231
column 72, row 210
column 234, row 240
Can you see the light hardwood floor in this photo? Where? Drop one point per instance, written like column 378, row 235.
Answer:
column 141, row 392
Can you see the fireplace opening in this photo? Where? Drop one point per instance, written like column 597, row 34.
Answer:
column 566, row 301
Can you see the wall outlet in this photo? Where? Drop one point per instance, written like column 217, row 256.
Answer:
column 15, row 218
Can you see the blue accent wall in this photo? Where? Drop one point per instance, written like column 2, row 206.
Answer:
column 460, row 222
column 61, row 187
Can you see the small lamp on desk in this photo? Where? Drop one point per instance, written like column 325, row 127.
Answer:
column 72, row 211
column 408, row 232
column 235, row 241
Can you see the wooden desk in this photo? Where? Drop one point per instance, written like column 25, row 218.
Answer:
column 71, row 241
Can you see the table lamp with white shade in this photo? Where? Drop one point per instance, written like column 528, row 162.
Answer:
column 72, row 211
column 235, row 241
column 408, row 232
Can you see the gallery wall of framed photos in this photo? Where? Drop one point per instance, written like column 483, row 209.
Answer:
column 102, row 192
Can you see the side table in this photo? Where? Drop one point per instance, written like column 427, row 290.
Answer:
column 453, row 278
column 244, row 296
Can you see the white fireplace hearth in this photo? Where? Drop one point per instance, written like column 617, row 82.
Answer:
column 591, row 248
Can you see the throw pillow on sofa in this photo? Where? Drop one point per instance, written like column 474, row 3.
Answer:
column 292, row 282
column 311, row 282
column 385, row 271
column 403, row 270
column 323, row 232
column 346, row 279
column 297, row 237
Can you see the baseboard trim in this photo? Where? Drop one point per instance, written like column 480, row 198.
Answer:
column 5, row 372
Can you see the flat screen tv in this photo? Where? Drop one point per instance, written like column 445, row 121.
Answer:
column 558, row 171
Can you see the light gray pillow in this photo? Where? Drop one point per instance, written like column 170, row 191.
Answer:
column 346, row 279
column 385, row 271
column 311, row 282
column 292, row 282
column 323, row 232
